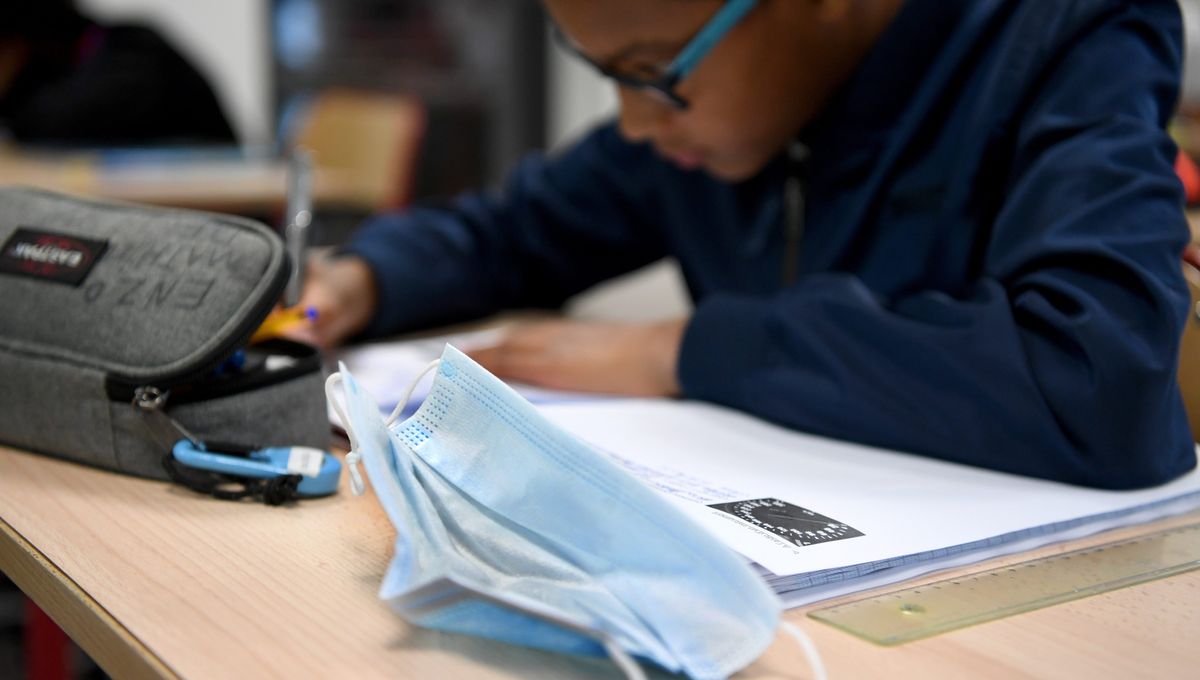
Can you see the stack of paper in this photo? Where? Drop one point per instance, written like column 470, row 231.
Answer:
column 822, row 517
column 817, row 517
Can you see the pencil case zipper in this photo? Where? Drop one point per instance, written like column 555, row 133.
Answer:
column 121, row 388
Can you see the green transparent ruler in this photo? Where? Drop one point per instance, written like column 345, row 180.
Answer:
column 921, row 611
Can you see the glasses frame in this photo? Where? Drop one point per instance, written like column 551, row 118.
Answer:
column 696, row 49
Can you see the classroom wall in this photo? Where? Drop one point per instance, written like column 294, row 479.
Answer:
column 577, row 98
column 1190, row 9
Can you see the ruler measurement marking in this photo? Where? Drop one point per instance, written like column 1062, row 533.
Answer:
column 957, row 602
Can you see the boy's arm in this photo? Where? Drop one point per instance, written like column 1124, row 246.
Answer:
column 560, row 226
column 1061, row 362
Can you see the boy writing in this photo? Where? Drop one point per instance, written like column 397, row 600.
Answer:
column 944, row 226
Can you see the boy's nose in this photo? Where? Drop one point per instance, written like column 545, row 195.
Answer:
column 642, row 118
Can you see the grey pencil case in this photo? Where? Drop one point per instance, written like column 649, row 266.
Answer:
column 109, row 310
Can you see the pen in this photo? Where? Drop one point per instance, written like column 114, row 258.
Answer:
column 280, row 320
column 299, row 217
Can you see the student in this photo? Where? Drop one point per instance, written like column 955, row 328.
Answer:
column 949, row 227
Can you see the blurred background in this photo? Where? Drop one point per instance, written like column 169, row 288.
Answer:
column 468, row 85
column 198, row 104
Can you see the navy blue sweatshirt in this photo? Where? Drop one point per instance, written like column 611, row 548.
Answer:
column 989, row 271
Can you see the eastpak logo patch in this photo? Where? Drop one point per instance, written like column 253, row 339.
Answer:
column 50, row 256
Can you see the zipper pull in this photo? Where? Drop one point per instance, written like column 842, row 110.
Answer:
column 151, row 403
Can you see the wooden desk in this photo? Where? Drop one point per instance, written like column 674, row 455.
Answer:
column 154, row 581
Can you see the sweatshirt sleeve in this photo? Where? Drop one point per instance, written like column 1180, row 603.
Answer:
column 561, row 225
column 1061, row 362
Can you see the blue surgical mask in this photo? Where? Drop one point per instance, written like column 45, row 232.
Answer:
column 510, row 528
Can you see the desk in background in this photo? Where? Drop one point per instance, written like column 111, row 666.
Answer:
column 365, row 147
column 154, row 581
column 256, row 186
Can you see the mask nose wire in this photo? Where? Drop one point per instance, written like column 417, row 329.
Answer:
column 355, row 456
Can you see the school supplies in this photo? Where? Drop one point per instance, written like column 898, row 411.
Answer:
column 382, row 367
column 822, row 518
column 818, row 517
column 299, row 220
column 280, row 320
column 277, row 474
column 115, row 316
column 921, row 611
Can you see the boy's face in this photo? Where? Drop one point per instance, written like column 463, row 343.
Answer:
column 766, row 78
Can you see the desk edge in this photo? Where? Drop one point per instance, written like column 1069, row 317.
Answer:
column 109, row 643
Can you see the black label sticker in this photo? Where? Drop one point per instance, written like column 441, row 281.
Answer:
column 50, row 256
column 798, row 525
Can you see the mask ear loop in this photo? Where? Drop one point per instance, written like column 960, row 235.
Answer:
column 623, row 661
column 810, row 649
column 353, row 457
column 633, row 671
column 391, row 420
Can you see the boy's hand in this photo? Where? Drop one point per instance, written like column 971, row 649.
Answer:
column 1191, row 255
column 342, row 290
column 617, row 358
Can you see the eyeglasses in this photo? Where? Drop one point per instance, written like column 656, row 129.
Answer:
column 662, row 85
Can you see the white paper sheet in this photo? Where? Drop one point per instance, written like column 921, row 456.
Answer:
column 386, row 369
column 909, row 509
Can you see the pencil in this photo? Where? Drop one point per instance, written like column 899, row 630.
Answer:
column 281, row 320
